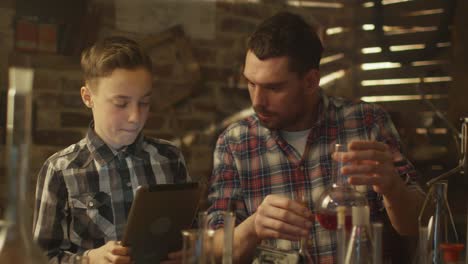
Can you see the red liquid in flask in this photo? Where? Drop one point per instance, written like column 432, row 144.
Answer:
column 328, row 221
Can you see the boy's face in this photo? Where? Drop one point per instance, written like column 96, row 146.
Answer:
column 120, row 104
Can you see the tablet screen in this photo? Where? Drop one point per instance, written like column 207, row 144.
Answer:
column 157, row 216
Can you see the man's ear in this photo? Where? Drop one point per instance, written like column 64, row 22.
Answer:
column 312, row 80
column 86, row 96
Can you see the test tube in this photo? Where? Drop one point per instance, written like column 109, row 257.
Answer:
column 229, row 221
column 377, row 234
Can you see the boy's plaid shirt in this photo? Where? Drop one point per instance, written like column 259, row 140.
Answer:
column 251, row 162
column 85, row 191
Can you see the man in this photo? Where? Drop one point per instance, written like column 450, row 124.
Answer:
column 284, row 148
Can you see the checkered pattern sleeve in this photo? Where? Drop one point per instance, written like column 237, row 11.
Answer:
column 225, row 189
column 50, row 214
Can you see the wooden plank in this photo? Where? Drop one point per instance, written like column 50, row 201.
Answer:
column 400, row 19
column 414, row 106
column 404, row 72
column 406, row 7
column 408, row 55
column 406, row 89
column 335, row 66
column 371, row 39
column 411, row 117
column 362, row 39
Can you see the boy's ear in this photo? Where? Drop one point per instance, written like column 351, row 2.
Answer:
column 86, row 96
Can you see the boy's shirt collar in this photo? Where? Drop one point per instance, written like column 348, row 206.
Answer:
column 104, row 154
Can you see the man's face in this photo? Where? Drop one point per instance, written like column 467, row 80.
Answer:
column 120, row 104
column 279, row 97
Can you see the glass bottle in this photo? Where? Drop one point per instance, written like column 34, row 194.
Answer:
column 17, row 245
column 340, row 193
column 360, row 247
column 437, row 217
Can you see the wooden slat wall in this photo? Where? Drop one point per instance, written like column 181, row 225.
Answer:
column 424, row 23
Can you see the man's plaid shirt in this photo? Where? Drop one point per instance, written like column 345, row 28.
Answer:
column 251, row 162
column 85, row 191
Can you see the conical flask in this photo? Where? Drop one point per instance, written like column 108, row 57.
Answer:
column 437, row 218
column 16, row 242
column 340, row 193
column 360, row 247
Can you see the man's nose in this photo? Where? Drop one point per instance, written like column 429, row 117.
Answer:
column 258, row 97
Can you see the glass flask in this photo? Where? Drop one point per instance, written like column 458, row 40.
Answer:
column 340, row 193
column 436, row 216
column 229, row 223
column 303, row 252
column 80, row 260
column 16, row 242
column 360, row 247
column 341, row 240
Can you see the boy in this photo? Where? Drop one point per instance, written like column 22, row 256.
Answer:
column 85, row 191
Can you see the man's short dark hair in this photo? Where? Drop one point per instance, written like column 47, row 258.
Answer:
column 287, row 34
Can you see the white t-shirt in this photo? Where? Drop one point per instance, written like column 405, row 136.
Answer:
column 297, row 139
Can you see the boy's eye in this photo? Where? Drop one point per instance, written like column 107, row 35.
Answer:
column 144, row 103
column 120, row 104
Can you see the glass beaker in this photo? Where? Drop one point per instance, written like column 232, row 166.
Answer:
column 16, row 241
column 205, row 248
column 189, row 246
column 437, row 217
column 340, row 193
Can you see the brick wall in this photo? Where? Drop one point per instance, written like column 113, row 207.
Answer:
column 60, row 118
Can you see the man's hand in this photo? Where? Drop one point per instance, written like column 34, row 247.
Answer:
column 280, row 217
column 370, row 163
column 111, row 252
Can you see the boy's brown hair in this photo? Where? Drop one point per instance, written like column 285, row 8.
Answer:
column 111, row 53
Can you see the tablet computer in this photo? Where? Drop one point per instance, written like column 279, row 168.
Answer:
column 157, row 215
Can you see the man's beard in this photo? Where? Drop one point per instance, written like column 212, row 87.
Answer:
column 274, row 122
column 271, row 121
